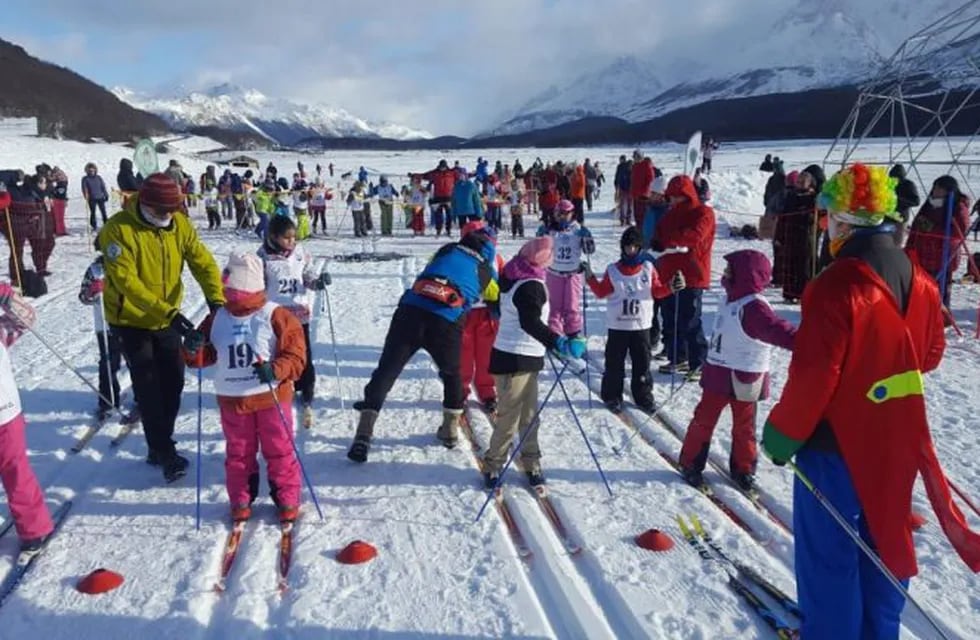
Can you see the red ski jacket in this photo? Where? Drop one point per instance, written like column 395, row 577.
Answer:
column 857, row 364
column 689, row 224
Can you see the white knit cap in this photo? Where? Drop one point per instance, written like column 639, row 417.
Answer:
column 244, row 272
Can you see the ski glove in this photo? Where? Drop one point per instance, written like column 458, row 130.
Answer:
column 777, row 446
column 677, row 282
column 570, row 347
column 588, row 245
column 264, row 372
column 586, row 268
column 193, row 341
column 323, row 281
column 214, row 306
column 181, row 324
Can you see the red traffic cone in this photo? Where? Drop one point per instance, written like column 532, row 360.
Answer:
column 99, row 581
column 916, row 520
column 356, row 553
column 655, row 540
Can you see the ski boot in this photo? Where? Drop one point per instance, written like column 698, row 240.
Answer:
column 241, row 512
column 745, row 482
column 615, row 406
column 358, row 451
column 448, row 432
column 489, row 407
column 534, row 476
column 695, row 478
column 174, row 468
column 647, row 406
column 288, row 514
column 670, row 368
column 490, row 479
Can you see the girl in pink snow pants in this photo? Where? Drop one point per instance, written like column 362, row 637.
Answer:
column 564, row 277
column 31, row 517
column 252, row 343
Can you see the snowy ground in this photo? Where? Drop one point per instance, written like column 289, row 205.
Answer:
column 438, row 574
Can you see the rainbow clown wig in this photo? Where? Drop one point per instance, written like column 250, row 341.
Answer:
column 860, row 195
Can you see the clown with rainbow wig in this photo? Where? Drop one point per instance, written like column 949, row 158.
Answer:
column 853, row 414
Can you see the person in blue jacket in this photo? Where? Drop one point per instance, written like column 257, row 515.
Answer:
column 362, row 175
column 466, row 203
column 430, row 315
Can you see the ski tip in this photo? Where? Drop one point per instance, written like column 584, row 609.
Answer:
column 218, row 588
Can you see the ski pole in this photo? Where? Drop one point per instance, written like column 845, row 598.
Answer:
column 578, row 424
column 677, row 310
column 325, row 303
column 292, row 441
column 856, row 537
column 61, row 358
column 200, row 420
column 585, row 327
column 532, row 425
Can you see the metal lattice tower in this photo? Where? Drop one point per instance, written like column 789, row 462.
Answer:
column 925, row 100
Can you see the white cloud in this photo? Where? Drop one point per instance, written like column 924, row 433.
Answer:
column 446, row 66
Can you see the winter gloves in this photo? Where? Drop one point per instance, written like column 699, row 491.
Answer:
column 264, row 372
column 323, row 281
column 193, row 339
column 570, row 347
column 586, row 268
column 777, row 446
column 677, row 282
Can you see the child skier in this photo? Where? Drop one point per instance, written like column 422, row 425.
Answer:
column 480, row 330
column 631, row 284
column 517, row 219
column 416, row 201
column 110, row 347
column 386, row 195
column 301, row 209
column 254, row 343
column 355, row 200
column 564, row 279
column 24, row 495
column 518, row 355
column 212, row 206
column 319, row 195
column 289, row 278
column 494, row 202
column 265, row 206
column 736, row 373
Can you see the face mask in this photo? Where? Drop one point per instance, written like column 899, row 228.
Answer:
column 236, row 295
column 937, row 202
column 156, row 221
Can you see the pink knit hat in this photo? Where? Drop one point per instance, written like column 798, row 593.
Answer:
column 244, row 272
column 565, row 206
column 538, row 252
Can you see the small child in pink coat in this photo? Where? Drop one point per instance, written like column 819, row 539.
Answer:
column 24, row 495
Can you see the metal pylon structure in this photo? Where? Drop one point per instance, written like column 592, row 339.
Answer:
column 925, row 101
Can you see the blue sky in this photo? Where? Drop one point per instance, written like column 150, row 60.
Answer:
column 446, row 66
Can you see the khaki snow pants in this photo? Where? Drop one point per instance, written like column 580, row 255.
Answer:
column 517, row 400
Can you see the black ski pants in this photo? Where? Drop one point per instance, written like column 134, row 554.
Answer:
column 156, row 369
column 411, row 329
column 637, row 345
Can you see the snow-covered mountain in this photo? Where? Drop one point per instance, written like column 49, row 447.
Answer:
column 809, row 46
column 279, row 120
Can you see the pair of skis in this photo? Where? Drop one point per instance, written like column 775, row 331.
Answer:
column 128, row 423
column 233, row 544
column 502, row 505
column 27, row 559
column 741, row 579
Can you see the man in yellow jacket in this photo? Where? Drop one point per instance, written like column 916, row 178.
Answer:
column 146, row 246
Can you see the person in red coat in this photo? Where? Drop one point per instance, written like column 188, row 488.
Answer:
column 688, row 224
column 641, row 179
column 853, row 413
column 928, row 236
column 443, row 180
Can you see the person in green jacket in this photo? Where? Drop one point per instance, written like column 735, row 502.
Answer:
column 146, row 247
